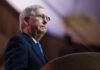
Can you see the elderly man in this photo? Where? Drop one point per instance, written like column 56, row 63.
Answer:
column 24, row 52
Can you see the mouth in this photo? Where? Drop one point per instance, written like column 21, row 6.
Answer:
column 43, row 27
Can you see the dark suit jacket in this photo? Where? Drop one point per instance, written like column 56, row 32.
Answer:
column 23, row 54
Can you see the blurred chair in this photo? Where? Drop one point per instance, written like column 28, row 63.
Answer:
column 75, row 61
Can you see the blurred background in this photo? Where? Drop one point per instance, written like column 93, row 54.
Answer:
column 74, row 25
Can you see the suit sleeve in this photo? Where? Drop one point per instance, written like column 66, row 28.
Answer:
column 16, row 56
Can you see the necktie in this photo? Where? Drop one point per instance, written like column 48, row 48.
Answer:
column 39, row 46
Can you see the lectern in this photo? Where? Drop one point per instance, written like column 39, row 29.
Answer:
column 75, row 61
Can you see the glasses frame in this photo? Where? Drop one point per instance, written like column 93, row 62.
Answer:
column 40, row 17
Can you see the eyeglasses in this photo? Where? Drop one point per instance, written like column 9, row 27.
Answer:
column 41, row 17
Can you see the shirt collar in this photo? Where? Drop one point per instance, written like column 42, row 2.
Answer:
column 34, row 40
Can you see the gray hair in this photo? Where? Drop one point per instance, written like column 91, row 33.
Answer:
column 29, row 11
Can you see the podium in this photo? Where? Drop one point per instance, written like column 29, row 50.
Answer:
column 75, row 61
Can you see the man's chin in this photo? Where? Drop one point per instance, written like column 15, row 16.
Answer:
column 42, row 32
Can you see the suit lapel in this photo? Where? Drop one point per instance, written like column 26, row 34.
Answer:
column 38, row 53
column 46, row 59
column 34, row 47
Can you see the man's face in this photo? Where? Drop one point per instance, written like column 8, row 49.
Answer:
column 38, row 23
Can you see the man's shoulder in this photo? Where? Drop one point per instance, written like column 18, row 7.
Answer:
column 19, row 39
column 16, row 38
column 16, row 41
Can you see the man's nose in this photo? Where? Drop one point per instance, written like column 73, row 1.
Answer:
column 45, row 21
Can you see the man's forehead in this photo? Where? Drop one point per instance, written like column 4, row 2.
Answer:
column 40, row 11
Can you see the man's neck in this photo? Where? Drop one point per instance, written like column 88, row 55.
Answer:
column 36, row 37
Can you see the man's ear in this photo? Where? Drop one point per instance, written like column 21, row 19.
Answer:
column 26, row 20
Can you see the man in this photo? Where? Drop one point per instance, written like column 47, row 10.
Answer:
column 24, row 52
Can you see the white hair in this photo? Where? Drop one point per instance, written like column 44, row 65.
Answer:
column 28, row 11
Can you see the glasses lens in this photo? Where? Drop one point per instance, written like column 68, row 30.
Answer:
column 48, row 18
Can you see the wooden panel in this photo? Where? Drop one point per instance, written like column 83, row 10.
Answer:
column 8, row 20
